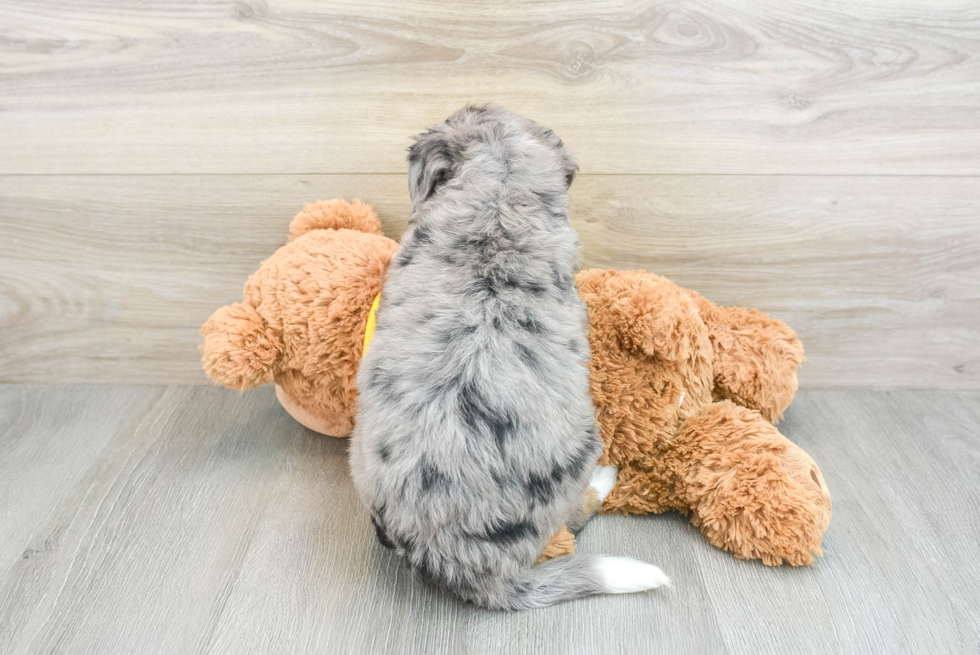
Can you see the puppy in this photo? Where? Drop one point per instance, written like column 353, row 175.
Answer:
column 475, row 439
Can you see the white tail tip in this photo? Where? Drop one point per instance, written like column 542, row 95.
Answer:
column 624, row 575
column 604, row 479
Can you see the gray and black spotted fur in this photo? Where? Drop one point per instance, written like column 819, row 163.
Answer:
column 475, row 437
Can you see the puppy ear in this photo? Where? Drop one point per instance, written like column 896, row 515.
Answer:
column 568, row 163
column 430, row 164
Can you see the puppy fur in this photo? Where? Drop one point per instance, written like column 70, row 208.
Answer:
column 475, row 438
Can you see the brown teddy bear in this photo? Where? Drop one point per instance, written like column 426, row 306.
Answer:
column 685, row 391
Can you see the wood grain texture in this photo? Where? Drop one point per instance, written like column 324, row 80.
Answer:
column 142, row 553
column 201, row 520
column 634, row 86
column 901, row 466
column 36, row 474
column 109, row 278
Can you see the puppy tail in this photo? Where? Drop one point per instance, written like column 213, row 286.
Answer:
column 577, row 576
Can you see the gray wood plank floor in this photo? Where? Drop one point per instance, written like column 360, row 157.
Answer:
column 199, row 520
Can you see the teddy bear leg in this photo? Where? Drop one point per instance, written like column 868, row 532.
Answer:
column 755, row 358
column 562, row 543
column 751, row 490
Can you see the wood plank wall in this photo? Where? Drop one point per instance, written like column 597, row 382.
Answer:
column 817, row 160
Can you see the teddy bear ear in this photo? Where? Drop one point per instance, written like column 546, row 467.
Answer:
column 239, row 351
column 335, row 214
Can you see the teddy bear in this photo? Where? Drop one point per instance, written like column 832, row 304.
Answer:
column 686, row 392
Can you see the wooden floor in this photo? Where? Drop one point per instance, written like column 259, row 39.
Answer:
column 199, row 520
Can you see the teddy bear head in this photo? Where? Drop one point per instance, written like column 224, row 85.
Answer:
column 302, row 319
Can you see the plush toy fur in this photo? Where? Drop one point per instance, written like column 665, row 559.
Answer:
column 685, row 391
column 302, row 319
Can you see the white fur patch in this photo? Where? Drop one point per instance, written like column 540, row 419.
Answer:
column 604, row 479
column 625, row 575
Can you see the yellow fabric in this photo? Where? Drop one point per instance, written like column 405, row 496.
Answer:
column 371, row 322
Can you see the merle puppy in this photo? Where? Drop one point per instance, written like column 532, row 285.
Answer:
column 475, row 439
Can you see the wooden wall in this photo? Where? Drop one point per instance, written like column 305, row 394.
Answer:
column 817, row 160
